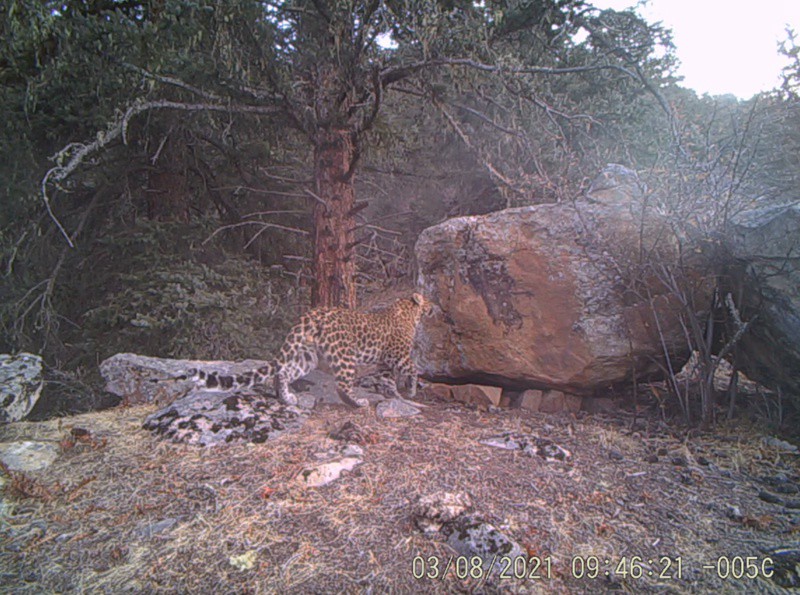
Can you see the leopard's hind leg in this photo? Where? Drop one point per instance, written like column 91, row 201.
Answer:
column 343, row 367
column 296, row 361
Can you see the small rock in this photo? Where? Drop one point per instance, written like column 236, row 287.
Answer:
column 733, row 512
column 786, row 566
column 530, row 445
column 148, row 530
column 471, row 536
column 246, row 561
column 615, row 455
column 573, row 403
column 307, row 401
column 781, row 483
column 28, row 455
column 531, row 400
column 20, row 385
column 434, row 510
column 352, row 450
column 771, row 498
column 552, row 402
column 479, row 395
column 348, row 432
column 781, row 445
column 440, row 391
column 326, row 473
column 395, row 408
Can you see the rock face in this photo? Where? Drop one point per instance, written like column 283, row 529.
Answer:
column 532, row 297
column 20, row 385
column 766, row 244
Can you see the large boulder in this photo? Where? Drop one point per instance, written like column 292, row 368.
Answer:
column 536, row 296
column 21, row 384
column 766, row 245
column 143, row 379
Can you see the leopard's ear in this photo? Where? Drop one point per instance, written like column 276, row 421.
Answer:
column 418, row 299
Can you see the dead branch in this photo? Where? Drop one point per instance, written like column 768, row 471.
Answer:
column 392, row 75
column 74, row 155
column 280, row 212
column 44, row 298
column 264, row 226
column 484, row 118
column 315, row 196
column 239, row 188
column 172, row 81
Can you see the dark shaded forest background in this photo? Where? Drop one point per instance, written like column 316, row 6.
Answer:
column 169, row 167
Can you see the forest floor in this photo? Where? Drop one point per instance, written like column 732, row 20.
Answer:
column 641, row 507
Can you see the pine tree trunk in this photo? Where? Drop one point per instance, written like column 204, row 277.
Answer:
column 334, row 269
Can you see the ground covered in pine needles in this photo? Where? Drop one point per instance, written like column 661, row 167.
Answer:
column 640, row 507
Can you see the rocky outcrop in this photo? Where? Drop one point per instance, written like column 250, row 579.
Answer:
column 216, row 418
column 766, row 245
column 533, row 297
column 20, row 385
column 142, row 379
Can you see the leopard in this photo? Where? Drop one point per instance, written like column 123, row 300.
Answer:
column 339, row 339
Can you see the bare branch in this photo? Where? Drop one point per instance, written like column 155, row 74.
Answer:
column 487, row 119
column 315, row 196
column 392, row 75
column 172, row 81
column 279, row 212
column 239, row 187
column 264, row 226
column 76, row 154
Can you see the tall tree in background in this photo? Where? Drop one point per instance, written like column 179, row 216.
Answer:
column 320, row 67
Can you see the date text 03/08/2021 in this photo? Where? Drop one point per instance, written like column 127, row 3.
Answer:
column 583, row 567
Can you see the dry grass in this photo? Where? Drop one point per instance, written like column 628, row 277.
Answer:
column 125, row 512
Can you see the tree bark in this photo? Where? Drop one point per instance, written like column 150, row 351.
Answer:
column 334, row 268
